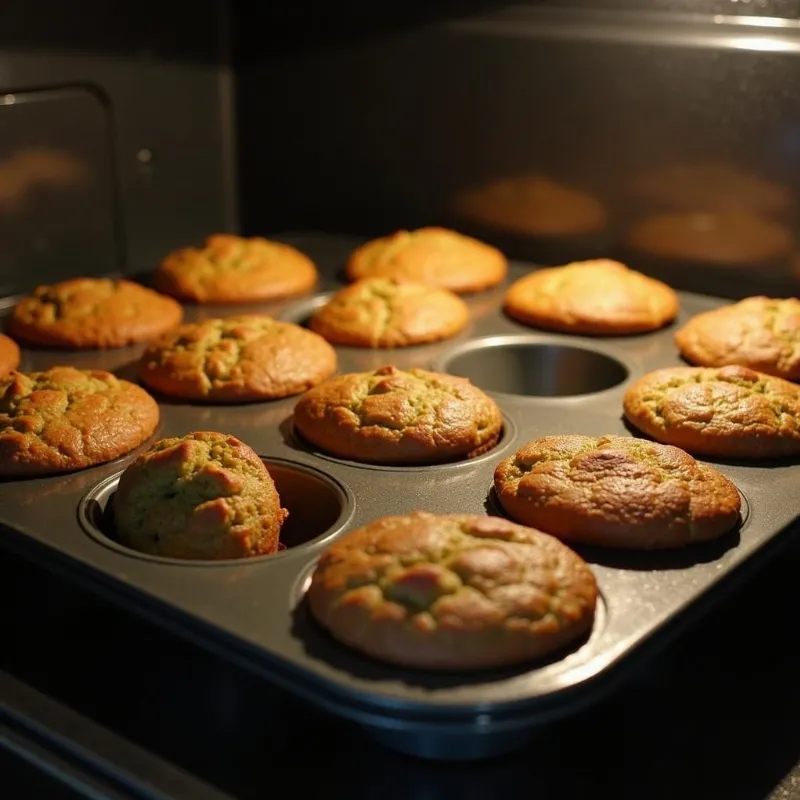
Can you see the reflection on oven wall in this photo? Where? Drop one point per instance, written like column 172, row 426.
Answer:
column 671, row 142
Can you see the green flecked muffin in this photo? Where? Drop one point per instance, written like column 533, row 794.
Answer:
column 204, row 495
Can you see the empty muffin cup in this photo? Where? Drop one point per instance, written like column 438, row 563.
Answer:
column 319, row 507
column 529, row 367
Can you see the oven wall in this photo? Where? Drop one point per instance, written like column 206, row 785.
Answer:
column 349, row 126
column 116, row 135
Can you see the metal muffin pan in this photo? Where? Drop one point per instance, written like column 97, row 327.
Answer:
column 253, row 611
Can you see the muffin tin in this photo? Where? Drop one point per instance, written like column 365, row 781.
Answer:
column 253, row 611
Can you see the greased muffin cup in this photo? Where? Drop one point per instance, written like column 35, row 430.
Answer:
column 256, row 609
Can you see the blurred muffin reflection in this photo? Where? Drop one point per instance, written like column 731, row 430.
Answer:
column 532, row 206
column 710, row 186
column 31, row 168
column 733, row 238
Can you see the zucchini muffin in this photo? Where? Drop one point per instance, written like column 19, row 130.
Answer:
column 92, row 313
column 435, row 256
column 758, row 332
column 730, row 412
column 390, row 312
column 392, row 416
column 452, row 592
column 237, row 359
column 202, row 496
column 600, row 298
column 234, row 269
column 67, row 419
column 9, row 355
column 616, row 491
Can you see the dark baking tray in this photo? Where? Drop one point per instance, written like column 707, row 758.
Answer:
column 253, row 611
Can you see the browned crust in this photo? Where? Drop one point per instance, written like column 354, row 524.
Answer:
column 452, row 592
column 9, row 355
column 66, row 419
column 533, row 206
column 234, row 269
column 237, row 359
column 759, row 332
column 435, row 256
column 88, row 313
column 600, row 298
column 731, row 412
column 393, row 416
column 729, row 238
column 616, row 491
column 390, row 312
column 205, row 495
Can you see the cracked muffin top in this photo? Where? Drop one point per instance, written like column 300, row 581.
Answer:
column 93, row 313
column 390, row 312
column 533, row 206
column 205, row 495
column 435, row 256
column 243, row 358
column 758, row 332
column 616, row 491
column 729, row 412
column 234, row 269
column 600, row 297
column 67, row 419
column 9, row 355
column 452, row 592
column 392, row 416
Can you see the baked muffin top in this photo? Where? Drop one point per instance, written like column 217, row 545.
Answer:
column 599, row 297
column 93, row 313
column 616, row 491
column 9, row 355
column 436, row 256
column 235, row 269
column 390, row 312
column 453, row 592
column 759, row 332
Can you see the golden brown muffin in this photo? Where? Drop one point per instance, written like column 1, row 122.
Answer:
column 616, row 491
column 67, row 419
column 237, row 359
column 233, row 269
column 452, row 592
column 758, row 332
column 390, row 312
column 710, row 186
column 393, row 416
column 600, row 298
column 86, row 313
column 205, row 495
column 730, row 412
column 9, row 355
column 436, row 256
column 733, row 238
column 533, row 206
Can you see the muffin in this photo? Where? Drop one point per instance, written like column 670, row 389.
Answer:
column 9, row 355
column 390, row 312
column 600, row 298
column 233, row 269
column 202, row 496
column 452, row 592
column 67, row 419
column 533, row 206
column 730, row 412
column 731, row 238
column 758, row 332
column 710, row 186
column 616, row 491
column 92, row 313
column 392, row 416
column 436, row 256
column 237, row 359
